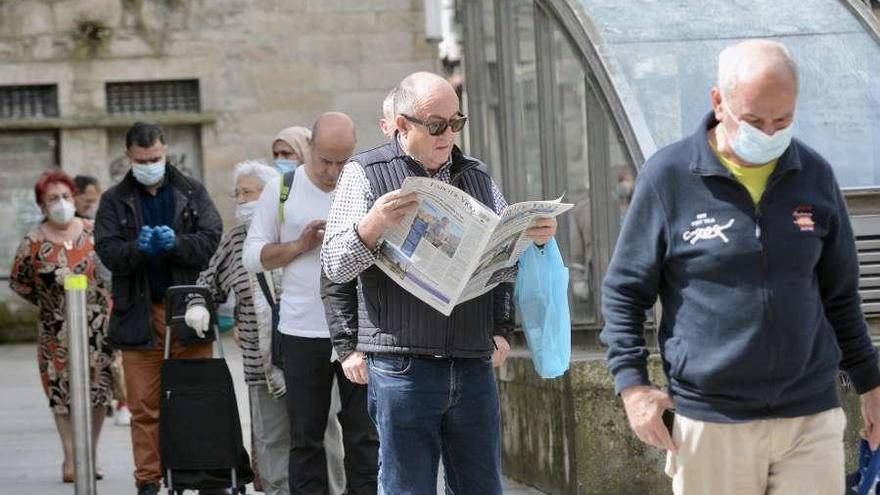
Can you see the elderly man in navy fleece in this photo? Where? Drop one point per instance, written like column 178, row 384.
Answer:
column 743, row 234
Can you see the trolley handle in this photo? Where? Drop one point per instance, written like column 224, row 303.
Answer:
column 178, row 291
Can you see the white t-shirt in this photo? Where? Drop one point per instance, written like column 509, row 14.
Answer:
column 302, row 311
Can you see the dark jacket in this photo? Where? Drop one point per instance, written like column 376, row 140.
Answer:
column 374, row 314
column 760, row 303
column 198, row 227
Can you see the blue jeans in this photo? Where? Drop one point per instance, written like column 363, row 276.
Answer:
column 426, row 409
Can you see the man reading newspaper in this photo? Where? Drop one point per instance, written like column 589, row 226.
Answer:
column 453, row 248
column 431, row 385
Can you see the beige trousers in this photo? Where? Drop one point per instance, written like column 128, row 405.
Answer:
column 790, row 456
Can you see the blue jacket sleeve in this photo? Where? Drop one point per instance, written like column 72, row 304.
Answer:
column 838, row 272
column 632, row 284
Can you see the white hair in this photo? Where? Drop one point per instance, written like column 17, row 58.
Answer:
column 747, row 57
column 406, row 98
column 388, row 105
column 257, row 169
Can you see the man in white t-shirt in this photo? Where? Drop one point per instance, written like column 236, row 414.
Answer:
column 289, row 235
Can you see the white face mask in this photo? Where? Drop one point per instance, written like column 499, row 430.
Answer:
column 61, row 211
column 149, row 174
column 245, row 211
column 753, row 146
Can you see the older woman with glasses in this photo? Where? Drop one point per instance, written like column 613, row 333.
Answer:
column 64, row 245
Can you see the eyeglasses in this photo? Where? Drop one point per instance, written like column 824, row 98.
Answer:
column 238, row 193
column 437, row 127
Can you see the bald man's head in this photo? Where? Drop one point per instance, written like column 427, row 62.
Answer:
column 420, row 89
column 334, row 126
column 756, row 93
column 421, row 99
column 332, row 143
column 752, row 60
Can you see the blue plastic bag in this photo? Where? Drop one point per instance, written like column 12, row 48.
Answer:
column 541, row 293
column 865, row 480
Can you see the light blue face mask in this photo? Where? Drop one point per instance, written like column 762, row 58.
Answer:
column 753, row 146
column 285, row 166
column 149, row 174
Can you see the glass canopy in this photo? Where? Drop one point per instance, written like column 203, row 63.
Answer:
column 665, row 53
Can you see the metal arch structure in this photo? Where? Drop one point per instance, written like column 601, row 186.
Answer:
column 645, row 76
column 608, row 77
column 865, row 16
column 586, row 27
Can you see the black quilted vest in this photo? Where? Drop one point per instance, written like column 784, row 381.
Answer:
column 390, row 318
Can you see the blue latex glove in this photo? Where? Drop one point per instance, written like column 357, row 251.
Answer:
column 146, row 240
column 164, row 238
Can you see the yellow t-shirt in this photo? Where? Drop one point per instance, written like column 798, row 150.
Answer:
column 753, row 178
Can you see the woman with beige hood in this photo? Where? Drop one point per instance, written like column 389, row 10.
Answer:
column 290, row 148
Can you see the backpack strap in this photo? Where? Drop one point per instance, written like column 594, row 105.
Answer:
column 266, row 289
column 286, row 184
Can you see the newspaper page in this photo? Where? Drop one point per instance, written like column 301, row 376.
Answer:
column 454, row 248
column 498, row 262
column 433, row 251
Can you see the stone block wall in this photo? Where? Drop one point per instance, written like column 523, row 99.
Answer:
column 262, row 65
column 570, row 436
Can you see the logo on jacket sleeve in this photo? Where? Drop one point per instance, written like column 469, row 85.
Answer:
column 705, row 228
column 803, row 218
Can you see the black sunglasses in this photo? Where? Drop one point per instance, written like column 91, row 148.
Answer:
column 439, row 126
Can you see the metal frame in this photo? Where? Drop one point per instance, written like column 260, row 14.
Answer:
column 611, row 84
column 504, row 42
column 547, row 99
column 603, row 101
column 474, row 62
column 864, row 14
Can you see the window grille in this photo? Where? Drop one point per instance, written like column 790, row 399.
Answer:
column 22, row 102
column 153, row 96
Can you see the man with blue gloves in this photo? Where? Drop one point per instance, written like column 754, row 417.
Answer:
column 155, row 229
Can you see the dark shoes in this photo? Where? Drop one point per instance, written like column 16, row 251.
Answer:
column 148, row 488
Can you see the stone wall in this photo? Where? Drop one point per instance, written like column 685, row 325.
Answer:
column 262, row 65
column 570, row 436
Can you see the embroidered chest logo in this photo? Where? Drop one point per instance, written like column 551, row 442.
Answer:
column 705, row 228
column 803, row 218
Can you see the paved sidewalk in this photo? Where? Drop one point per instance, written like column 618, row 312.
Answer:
column 30, row 451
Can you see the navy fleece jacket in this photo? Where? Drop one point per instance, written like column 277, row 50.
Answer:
column 760, row 303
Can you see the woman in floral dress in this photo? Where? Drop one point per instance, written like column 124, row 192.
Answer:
column 62, row 245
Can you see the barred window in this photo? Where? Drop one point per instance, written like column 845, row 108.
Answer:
column 153, row 96
column 21, row 102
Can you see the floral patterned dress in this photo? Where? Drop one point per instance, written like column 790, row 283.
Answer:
column 38, row 275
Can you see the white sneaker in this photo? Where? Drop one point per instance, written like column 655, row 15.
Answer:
column 122, row 417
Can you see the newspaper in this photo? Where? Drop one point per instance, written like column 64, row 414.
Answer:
column 453, row 248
